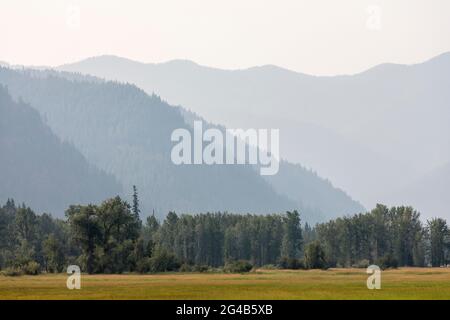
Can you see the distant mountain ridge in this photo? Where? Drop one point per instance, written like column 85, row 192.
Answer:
column 40, row 170
column 318, row 197
column 125, row 132
column 370, row 133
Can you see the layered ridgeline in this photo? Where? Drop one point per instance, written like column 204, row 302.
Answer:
column 318, row 197
column 124, row 131
column 37, row 168
column 370, row 133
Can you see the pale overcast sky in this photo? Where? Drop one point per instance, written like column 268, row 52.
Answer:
column 316, row 36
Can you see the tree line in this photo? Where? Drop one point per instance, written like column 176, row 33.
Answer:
column 111, row 238
column 385, row 236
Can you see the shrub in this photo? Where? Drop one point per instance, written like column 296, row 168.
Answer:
column 163, row 261
column 315, row 256
column 216, row 270
column 387, row 261
column 143, row 265
column 364, row 263
column 11, row 272
column 239, row 266
column 270, row 267
column 200, row 268
column 185, row 268
column 32, row 268
column 291, row 263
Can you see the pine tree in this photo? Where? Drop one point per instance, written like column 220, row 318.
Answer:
column 136, row 210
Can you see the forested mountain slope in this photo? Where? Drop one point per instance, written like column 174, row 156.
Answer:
column 37, row 168
column 369, row 133
column 317, row 197
column 124, row 131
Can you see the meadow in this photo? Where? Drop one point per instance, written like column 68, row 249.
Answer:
column 403, row 283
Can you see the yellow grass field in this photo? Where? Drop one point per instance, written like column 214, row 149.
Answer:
column 403, row 283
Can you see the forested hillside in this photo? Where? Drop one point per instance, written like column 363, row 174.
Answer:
column 124, row 131
column 370, row 133
column 37, row 168
column 315, row 196
column 319, row 198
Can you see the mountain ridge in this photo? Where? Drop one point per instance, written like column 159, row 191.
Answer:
column 40, row 170
column 117, row 58
column 361, row 131
column 60, row 99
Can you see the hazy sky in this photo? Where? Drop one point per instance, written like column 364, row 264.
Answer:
column 315, row 36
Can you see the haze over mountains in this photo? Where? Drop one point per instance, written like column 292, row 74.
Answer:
column 120, row 129
column 373, row 134
column 317, row 196
column 40, row 170
column 430, row 191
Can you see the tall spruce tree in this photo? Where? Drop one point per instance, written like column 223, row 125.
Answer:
column 136, row 210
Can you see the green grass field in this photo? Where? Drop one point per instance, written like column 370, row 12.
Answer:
column 404, row 283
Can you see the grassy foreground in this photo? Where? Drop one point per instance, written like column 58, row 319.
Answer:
column 404, row 283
